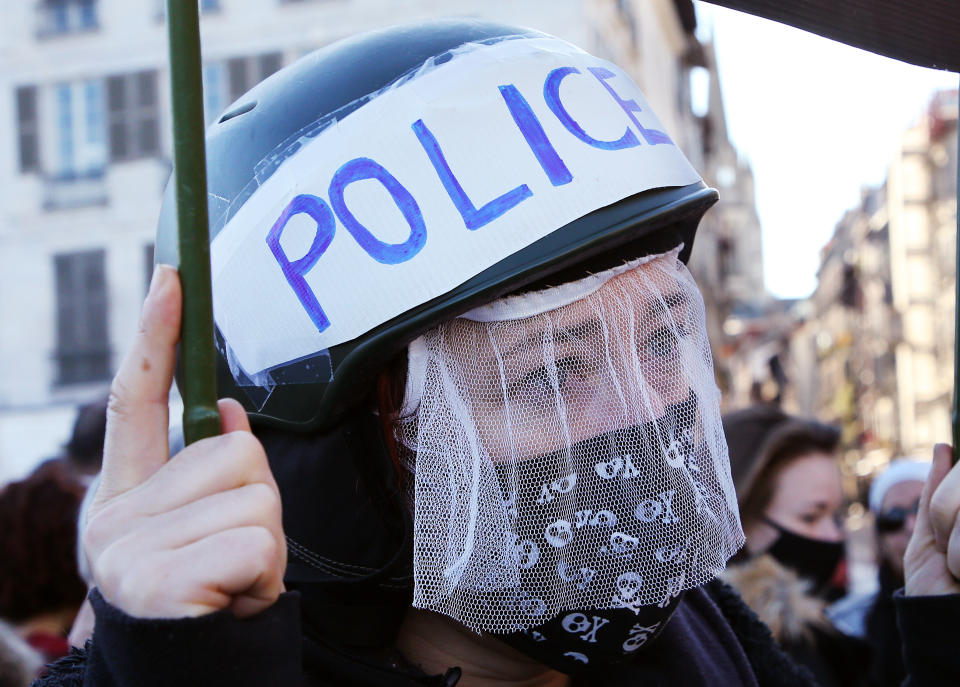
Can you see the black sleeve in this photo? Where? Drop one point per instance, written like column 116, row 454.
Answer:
column 930, row 631
column 209, row 651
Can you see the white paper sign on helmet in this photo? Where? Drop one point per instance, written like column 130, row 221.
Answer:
column 427, row 185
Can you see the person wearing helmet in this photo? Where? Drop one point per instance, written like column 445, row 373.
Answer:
column 451, row 296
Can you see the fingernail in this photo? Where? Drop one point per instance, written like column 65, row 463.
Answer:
column 161, row 273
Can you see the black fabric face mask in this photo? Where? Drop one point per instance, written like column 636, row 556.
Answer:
column 812, row 559
column 587, row 641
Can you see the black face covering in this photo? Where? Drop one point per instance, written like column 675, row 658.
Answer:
column 813, row 559
column 585, row 641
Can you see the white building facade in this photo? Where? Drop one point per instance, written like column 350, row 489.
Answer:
column 84, row 102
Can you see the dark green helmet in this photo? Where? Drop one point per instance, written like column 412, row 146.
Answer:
column 278, row 119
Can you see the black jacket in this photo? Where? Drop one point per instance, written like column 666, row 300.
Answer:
column 713, row 639
column 354, row 595
column 880, row 624
column 783, row 601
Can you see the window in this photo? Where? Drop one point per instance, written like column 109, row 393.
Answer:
column 134, row 116
column 269, row 63
column 725, row 259
column 66, row 16
column 27, row 137
column 243, row 73
column 65, row 130
column 80, row 149
column 83, row 352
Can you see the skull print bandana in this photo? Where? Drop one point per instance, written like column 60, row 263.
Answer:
column 569, row 462
column 577, row 640
column 590, row 641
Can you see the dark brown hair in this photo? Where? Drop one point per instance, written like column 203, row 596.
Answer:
column 38, row 534
column 85, row 448
column 763, row 440
column 390, row 388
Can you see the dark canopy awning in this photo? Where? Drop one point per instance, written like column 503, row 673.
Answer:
column 922, row 32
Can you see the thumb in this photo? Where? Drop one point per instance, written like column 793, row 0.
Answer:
column 233, row 416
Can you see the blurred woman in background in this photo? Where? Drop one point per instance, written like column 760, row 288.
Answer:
column 789, row 489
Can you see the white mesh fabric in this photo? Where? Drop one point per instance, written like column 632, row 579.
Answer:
column 571, row 458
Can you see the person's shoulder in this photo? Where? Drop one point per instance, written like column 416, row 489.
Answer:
column 779, row 596
column 771, row 664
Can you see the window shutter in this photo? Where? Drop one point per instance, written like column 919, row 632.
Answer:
column 116, row 109
column 82, row 353
column 148, row 127
column 27, row 129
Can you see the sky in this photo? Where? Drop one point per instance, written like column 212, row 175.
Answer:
column 817, row 120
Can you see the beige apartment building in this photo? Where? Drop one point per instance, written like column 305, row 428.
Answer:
column 876, row 353
column 921, row 208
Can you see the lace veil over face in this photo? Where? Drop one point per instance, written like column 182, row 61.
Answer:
column 568, row 452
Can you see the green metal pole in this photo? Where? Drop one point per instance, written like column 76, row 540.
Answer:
column 201, row 417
